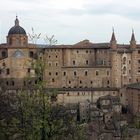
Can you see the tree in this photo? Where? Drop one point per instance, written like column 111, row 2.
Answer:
column 30, row 115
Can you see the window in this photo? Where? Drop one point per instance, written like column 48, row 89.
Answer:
column 56, row 56
column 80, row 82
column 56, row 64
column 64, row 73
column 29, row 70
column 49, row 73
column 73, row 62
column 0, row 71
column 77, row 51
column 108, row 82
column 124, row 70
column 49, row 56
column 86, row 62
column 35, row 82
column 31, row 54
column 7, row 71
column 29, row 82
column 74, row 73
column 12, row 83
column 56, row 73
column 124, row 60
column 97, row 73
column 50, row 64
column 138, row 51
column 86, row 51
column 24, row 83
column 69, row 82
column 52, row 80
column 3, row 64
column 139, row 61
column 85, row 73
column 7, row 83
column 91, row 82
column 3, row 54
column 107, row 73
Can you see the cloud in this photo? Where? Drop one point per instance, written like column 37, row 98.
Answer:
column 73, row 20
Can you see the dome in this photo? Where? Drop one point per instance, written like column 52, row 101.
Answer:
column 17, row 29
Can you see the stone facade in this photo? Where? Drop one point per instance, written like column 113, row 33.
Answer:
column 92, row 69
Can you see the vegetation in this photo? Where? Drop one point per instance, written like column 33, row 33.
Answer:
column 30, row 114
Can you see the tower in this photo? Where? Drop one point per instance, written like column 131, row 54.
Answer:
column 115, row 62
column 135, row 63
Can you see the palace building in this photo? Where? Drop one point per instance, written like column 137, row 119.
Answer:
column 81, row 71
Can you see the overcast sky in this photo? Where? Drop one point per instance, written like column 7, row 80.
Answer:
column 73, row 20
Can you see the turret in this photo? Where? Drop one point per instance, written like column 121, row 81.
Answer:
column 133, row 41
column 113, row 42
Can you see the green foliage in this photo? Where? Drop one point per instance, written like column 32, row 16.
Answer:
column 137, row 123
column 36, row 118
column 30, row 114
column 124, row 131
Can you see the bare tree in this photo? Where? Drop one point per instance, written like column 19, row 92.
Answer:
column 33, row 37
column 50, row 40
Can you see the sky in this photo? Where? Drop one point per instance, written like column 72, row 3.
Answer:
column 71, row 21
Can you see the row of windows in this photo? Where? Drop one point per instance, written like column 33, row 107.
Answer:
column 50, row 50
column 83, row 93
column 50, row 64
column 75, row 73
column 91, row 82
column 12, row 83
column 74, row 62
column 6, row 70
column 50, row 56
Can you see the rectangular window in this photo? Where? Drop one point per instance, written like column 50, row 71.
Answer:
column 73, row 62
column 86, row 73
column 3, row 54
column 97, row 73
column 64, row 73
column 86, row 62
column 107, row 73
column 7, row 71
column 31, row 54
column 29, row 70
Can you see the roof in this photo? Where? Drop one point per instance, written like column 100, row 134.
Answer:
column 134, row 86
column 16, row 29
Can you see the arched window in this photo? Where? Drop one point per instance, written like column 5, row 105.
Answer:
column 124, row 60
column 124, row 70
